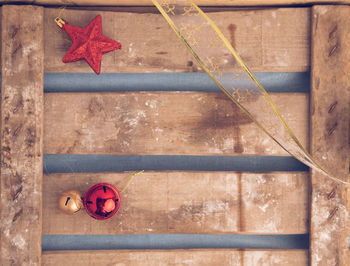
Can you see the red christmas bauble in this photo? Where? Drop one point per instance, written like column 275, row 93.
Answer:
column 102, row 201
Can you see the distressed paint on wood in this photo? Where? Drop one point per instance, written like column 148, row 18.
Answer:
column 187, row 202
column 22, row 135
column 205, row 257
column 198, row 2
column 265, row 39
column 330, row 118
column 192, row 123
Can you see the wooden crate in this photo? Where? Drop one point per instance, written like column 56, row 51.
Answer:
column 148, row 123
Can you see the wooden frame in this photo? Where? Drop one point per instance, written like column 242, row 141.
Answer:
column 198, row 2
column 21, row 134
column 330, row 225
column 33, row 124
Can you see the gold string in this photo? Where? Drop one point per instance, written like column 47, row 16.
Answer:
column 128, row 181
column 61, row 11
column 267, row 97
column 307, row 159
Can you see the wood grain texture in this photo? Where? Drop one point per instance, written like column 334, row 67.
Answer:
column 187, row 202
column 21, row 135
column 205, row 257
column 265, row 39
column 193, row 123
column 198, row 2
column 330, row 118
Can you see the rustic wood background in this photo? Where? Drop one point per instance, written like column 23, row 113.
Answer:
column 166, row 123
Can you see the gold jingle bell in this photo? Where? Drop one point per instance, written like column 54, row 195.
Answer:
column 70, row 202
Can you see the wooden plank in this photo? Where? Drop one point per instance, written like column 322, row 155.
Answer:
column 166, row 202
column 177, row 257
column 330, row 118
column 198, row 2
column 194, row 123
column 21, row 129
column 265, row 39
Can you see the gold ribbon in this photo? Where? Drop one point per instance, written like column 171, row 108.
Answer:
column 188, row 34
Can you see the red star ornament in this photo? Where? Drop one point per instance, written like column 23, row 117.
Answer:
column 88, row 44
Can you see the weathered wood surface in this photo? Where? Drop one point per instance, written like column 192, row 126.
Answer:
column 187, row 202
column 21, row 131
column 193, row 123
column 266, row 40
column 198, row 2
column 330, row 118
column 205, row 257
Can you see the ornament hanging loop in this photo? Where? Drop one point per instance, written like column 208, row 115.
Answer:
column 60, row 22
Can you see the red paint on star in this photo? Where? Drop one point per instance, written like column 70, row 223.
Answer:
column 89, row 44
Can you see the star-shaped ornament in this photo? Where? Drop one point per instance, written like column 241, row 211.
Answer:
column 88, row 43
